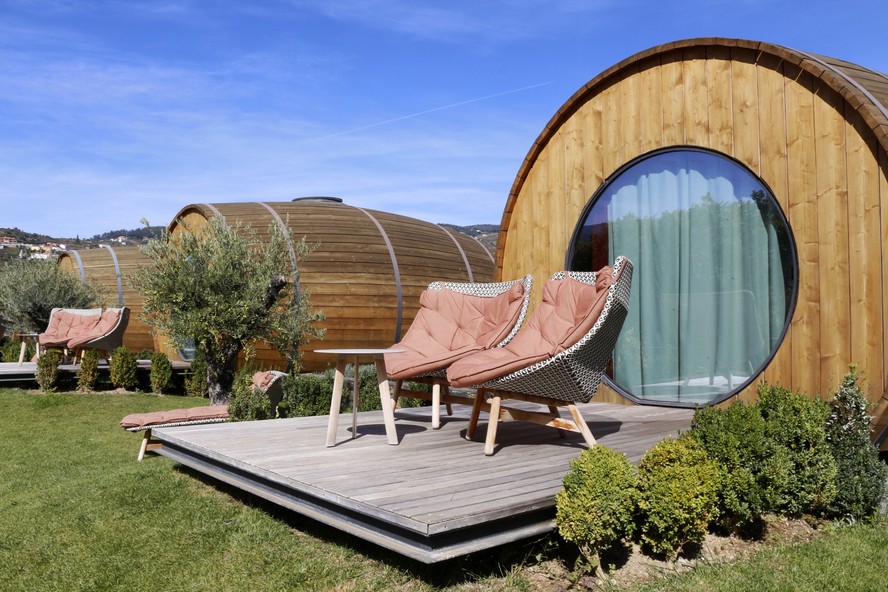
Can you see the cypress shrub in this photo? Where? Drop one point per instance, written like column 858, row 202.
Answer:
column 678, row 487
column 798, row 472
column 196, row 382
column 124, row 369
column 161, row 374
column 860, row 475
column 89, row 371
column 595, row 508
column 48, row 370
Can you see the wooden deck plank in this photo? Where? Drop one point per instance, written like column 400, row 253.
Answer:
column 435, row 495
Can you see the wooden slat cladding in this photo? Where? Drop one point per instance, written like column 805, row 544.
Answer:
column 351, row 275
column 807, row 125
column 97, row 267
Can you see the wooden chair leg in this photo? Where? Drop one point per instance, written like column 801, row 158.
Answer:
column 144, row 446
column 476, row 413
column 492, row 423
column 436, row 405
column 581, row 424
column 397, row 394
column 555, row 414
column 445, row 389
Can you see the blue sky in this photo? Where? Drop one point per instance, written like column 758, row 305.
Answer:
column 116, row 110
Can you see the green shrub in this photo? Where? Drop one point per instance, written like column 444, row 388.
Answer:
column 798, row 472
column 196, row 382
column 422, row 387
column 145, row 354
column 48, row 370
column 11, row 350
column 306, row 395
column 860, row 475
column 734, row 437
column 595, row 509
column 161, row 374
column 124, row 369
column 369, row 389
column 88, row 374
column 678, row 487
column 248, row 403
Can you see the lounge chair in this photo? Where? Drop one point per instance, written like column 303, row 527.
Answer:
column 557, row 358
column 455, row 320
column 136, row 422
column 105, row 336
column 65, row 324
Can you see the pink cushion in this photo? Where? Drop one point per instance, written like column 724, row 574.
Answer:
column 64, row 325
column 107, row 322
column 157, row 418
column 263, row 380
column 451, row 325
column 567, row 312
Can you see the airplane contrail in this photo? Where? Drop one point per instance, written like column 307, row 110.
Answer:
column 433, row 110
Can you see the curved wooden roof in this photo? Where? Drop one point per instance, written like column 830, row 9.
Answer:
column 865, row 90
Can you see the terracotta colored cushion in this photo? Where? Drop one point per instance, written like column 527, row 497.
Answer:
column 567, row 312
column 451, row 325
column 262, row 380
column 107, row 322
column 64, row 325
column 157, row 418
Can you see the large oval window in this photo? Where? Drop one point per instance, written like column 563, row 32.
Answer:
column 715, row 276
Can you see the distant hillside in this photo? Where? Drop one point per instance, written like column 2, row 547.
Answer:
column 137, row 234
column 487, row 234
column 31, row 238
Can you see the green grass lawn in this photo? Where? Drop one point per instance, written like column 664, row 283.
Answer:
column 77, row 512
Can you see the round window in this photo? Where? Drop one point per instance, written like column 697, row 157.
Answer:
column 715, row 276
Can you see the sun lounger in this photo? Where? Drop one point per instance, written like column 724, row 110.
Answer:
column 455, row 320
column 557, row 358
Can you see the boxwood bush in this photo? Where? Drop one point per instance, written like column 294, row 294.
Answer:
column 678, row 488
column 248, row 403
column 307, row 395
column 48, row 370
column 798, row 473
column 596, row 508
column 161, row 374
column 734, row 437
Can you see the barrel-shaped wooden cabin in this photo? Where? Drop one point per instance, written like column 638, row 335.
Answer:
column 749, row 184
column 108, row 267
column 367, row 271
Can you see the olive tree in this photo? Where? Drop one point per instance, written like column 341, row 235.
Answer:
column 225, row 288
column 31, row 288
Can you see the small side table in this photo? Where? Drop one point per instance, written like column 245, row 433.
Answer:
column 343, row 356
column 24, row 339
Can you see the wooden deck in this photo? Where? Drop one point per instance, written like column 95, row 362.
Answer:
column 433, row 497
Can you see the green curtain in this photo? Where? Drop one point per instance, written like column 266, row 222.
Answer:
column 709, row 294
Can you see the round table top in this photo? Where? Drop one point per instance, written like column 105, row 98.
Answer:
column 359, row 351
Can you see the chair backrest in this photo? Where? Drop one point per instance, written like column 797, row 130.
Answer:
column 490, row 290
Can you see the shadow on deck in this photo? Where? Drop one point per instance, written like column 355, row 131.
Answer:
column 433, row 497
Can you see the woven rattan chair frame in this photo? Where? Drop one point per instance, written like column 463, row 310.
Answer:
column 570, row 377
column 438, row 378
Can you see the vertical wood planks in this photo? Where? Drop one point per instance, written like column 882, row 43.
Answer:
column 832, row 218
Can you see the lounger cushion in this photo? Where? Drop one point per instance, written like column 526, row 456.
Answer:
column 64, row 325
column 567, row 312
column 156, row 418
column 109, row 319
column 451, row 325
column 263, row 379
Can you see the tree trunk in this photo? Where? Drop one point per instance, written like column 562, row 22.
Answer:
column 221, row 369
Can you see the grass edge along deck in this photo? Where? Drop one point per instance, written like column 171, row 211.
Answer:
column 392, row 496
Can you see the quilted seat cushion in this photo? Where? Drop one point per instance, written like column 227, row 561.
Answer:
column 64, row 325
column 157, row 418
column 568, row 311
column 106, row 323
column 451, row 325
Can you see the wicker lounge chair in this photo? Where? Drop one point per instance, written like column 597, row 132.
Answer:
column 557, row 358
column 455, row 320
column 105, row 336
